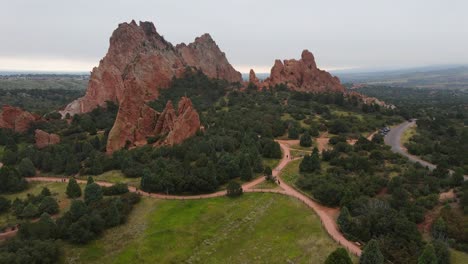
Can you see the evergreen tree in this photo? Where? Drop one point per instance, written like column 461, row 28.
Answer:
column 73, row 189
column 293, row 133
column 5, row 204
column 26, row 168
column 439, row 229
column 306, row 140
column 234, row 189
column 92, row 193
column 344, row 220
column 428, row 256
column 72, row 167
column 11, row 181
column 310, row 163
column 46, row 192
column 245, row 169
column 90, row 180
column 339, row 256
column 111, row 215
column 77, row 209
column 30, row 211
column 371, row 254
column 442, row 251
column 48, row 205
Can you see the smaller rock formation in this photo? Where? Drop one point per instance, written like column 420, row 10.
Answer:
column 253, row 80
column 16, row 119
column 143, row 122
column 44, row 139
column 302, row 75
column 185, row 125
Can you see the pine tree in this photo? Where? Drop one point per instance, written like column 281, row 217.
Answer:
column 428, row 256
column 439, row 229
column 245, row 169
column 30, row 211
column 371, row 254
column 306, row 140
column 46, row 192
column 339, row 256
column 72, row 166
column 26, row 168
column 73, row 189
column 92, row 193
column 442, row 251
column 293, row 133
column 90, row 180
column 111, row 215
column 48, row 205
column 234, row 189
column 344, row 220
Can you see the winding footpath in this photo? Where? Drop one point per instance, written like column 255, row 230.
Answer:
column 325, row 214
column 393, row 139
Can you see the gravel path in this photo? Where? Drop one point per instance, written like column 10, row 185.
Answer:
column 327, row 215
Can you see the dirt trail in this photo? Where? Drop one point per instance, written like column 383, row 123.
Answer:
column 327, row 215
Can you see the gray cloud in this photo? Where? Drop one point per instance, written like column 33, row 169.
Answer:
column 341, row 34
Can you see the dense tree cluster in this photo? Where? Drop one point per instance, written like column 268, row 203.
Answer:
column 11, row 180
column 37, row 100
column 442, row 134
column 36, row 241
column 35, row 205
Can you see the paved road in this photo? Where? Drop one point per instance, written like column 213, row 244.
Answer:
column 393, row 139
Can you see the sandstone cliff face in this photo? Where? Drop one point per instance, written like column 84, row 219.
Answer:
column 16, row 119
column 205, row 55
column 185, row 125
column 44, row 139
column 138, row 64
column 302, row 75
column 171, row 127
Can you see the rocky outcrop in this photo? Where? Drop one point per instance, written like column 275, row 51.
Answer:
column 302, row 75
column 169, row 127
column 185, row 125
column 16, row 119
column 205, row 55
column 154, row 62
column 253, row 80
column 138, row 64
column 44, row 139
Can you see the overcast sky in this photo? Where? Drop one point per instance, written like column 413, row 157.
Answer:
column 74, row 35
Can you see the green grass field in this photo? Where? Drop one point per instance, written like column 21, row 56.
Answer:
column 267, row 185
column 254, row 228
column 458, row 257
column 115, row 176
column 290, row 173
column 272, row 163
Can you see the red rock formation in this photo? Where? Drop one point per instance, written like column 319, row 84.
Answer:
column 185, row 125
column 253, row 79
column 138, row 64
column 302, row 75
column 44, row 139
column 204, row 54
column 17, row 119
column 155, row 61
column 171, row 127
